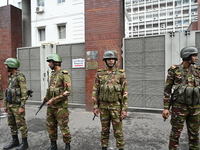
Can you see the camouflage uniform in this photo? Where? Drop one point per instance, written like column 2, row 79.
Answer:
column 57, row 114
column 182, row 112
column 17, row 121
column 111, row 111
column 1, row 89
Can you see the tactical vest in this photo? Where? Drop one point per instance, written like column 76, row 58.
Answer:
column 185, row 94
column 110, row 92
column 54, row 91
column 13, row 94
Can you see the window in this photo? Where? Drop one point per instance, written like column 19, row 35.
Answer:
column 40, row 2
column 185, row 1
column 186, row 22
column 41, row 32
column 62, row 31
column 20, row 5
column 61, row 1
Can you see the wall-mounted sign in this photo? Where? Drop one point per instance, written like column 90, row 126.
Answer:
column 91, row 65
column 92, row 55
column 78, row 63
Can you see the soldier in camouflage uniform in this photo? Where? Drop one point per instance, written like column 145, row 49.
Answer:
column 1, row 93
column 57, row 101
column 1, row 89
column 110, row 97
column 15, row 100
column 184, row 80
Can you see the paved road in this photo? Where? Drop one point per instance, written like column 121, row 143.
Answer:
column 142, row 130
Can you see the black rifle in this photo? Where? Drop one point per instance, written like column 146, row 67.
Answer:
column 97, row 108
column 30, row 93
column 93, row 117
column 40, row 107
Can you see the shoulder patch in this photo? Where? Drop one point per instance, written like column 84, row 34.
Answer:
column 121, row 70
column 65, row 71
column 174, row 66
column 99, row 70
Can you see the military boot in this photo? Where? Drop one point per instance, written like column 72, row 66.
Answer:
column 121, row 149
column 104, row 148
column 14, row 143
column 53, row 145
column 67, row 146
column 23, row 145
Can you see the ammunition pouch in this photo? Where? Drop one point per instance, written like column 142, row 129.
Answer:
column 13, row 95
column 53, row 92
column 186, row 95
column 110, row 93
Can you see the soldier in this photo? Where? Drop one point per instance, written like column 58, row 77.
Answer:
column 57, row 102
column 110, row 97
column 1, row 89
column 1, row 93
column 15, row 100
column 184, row 80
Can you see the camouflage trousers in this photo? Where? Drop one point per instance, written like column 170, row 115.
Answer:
column 17, row 121
column 180, row 114
column 113, row 116
column 55, row 117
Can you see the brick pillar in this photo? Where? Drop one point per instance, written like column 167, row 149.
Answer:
column 198, row 11
column 104, row 30
column 10, row 36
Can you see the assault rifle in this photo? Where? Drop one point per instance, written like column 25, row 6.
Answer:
column 40, row 107
column 30, row 93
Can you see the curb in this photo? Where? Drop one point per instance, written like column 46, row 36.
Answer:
column 83, row 106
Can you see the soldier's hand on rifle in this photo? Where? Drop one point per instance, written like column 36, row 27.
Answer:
column 96, row 112
column 50, row 102
column 165, row 113
column 21, row 110
column 123, row 114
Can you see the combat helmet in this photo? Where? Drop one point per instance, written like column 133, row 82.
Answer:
column 187, row 51
column 54, row 57
column 109, row 54
column 12, row 63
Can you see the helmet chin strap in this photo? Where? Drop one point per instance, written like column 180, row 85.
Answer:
column 110, row 66
column 191, row 62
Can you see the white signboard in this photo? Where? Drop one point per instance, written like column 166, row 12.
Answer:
column 78, row 63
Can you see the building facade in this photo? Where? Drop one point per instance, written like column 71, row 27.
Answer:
column 153, row 17
column 55, row 22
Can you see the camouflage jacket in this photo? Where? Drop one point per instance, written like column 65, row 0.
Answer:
column 18, row 80
column 174, row 77
column 1, row 89
column 101, row 77
column 60, row 80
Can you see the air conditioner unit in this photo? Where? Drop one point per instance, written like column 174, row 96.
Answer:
column 39, row 9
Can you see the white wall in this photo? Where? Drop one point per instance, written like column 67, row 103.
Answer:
column 70, row 12
column 10, row 2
